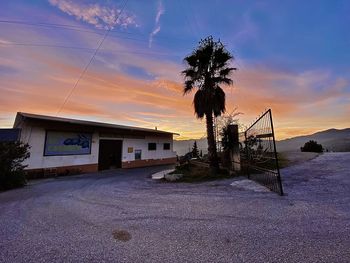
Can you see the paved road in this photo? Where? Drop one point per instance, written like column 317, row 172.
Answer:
column 72, row 219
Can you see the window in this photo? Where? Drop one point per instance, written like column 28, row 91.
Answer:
column 152, row 146
column 138, row 154
column 166, row 146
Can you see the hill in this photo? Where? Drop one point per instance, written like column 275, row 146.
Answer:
column 183, row 147
column 333, row 139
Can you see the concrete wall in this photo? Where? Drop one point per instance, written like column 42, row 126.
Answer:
column 154, row 157
column 35, row 137
column 142, row 144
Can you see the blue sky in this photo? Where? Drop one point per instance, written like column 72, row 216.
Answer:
column 293, row 57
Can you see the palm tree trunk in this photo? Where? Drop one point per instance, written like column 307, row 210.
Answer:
column 212, row 154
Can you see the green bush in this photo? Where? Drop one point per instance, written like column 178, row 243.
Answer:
column 12, row 155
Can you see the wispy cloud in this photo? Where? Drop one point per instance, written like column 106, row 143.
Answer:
column 248, row 30
column 4, row 42
column 101, row 16
column 160, row 12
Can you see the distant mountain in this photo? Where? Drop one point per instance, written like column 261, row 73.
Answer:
column 333, row 139
column 183, row 147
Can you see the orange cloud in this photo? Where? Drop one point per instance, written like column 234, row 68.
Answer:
column 301, row 102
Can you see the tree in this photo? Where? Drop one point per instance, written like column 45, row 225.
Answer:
column 312, row 146
column 207, row 69
column 195, row 151
column 227, row 141
column 12, row 155
column 223, row 123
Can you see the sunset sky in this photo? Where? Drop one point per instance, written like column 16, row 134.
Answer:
column 292, row 56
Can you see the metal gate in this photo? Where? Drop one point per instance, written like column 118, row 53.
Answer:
column 258, row 153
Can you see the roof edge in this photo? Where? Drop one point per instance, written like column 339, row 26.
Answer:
column 23, row 115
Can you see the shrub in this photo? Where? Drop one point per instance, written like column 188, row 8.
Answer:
column 312, row 146
column 195, row 151
column 12, row 155
column 195, row 174
column 12, row 180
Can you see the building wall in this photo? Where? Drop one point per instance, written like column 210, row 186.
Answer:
column 35, row 137
column 148, row 158
column 142, row 144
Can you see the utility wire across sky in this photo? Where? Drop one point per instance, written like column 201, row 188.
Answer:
column 89, row 63
column 85, row 30
column 107, row 33
column 90, row 49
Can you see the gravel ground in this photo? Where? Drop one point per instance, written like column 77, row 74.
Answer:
column 124, row 216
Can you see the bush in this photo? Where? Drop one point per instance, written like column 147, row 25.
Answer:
column 12, row 155
column 196, row 174
column 12, row 180
column 312, row 146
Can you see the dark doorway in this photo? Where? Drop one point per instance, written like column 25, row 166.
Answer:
column 110, row 154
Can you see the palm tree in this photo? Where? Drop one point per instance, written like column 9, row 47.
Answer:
column 208, row 68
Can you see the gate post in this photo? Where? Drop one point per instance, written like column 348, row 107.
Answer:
column 247, row 155
column 234, row 152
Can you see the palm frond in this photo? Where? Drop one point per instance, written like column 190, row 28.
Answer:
column 200, row 102
column 221, row 57
column 218, row 101
column 208, row 67
column 191, row 60
column 189, row 85
column 189, row 73
column 226, row 71
column 223, row 80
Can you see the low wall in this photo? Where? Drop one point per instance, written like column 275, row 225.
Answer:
column 149, row 162
column 60, row 171
column 91, row 168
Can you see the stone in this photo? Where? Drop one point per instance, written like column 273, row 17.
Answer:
column 173, row 177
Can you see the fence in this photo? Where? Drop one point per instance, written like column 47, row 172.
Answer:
column 258, row 153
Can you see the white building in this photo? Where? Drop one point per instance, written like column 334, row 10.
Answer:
column 60, row 145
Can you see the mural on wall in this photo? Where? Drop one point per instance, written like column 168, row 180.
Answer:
column 67, row 143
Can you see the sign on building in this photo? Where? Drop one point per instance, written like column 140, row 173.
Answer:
column 67, row 143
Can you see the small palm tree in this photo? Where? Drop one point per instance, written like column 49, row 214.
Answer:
column 208, row 68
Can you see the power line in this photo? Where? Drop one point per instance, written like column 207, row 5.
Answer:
column 68, row 27
column 89, row 49
column 82, row 73
column 28, row 23
column 81, row 29
column 88, row 64
column 45, row 45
